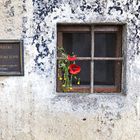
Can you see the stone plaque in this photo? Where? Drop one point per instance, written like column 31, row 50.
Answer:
column 11, row 57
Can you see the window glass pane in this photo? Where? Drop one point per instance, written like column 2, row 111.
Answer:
column 84, row 75
column 79, row 43
column 104, row 72
column 105, row 44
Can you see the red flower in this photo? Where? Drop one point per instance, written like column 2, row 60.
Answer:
column 74, row 69
column 71, row 58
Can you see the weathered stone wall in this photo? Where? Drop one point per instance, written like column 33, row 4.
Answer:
column 30, row 109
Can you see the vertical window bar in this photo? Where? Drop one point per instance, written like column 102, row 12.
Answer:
column 92, row 61
column 123, row 82
column 59, row 41
column 59, row 44
column 118, row 65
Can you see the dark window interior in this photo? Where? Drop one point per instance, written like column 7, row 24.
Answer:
column 104, row 73
column 85, row 72
column 105, row 44
column 78, row 43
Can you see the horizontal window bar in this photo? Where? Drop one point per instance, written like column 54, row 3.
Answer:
column 95, row 58
column 106, row 28
column 106, row 89
column 81, row 89
column 78, row 58
column 108, row 58
column 74, row 28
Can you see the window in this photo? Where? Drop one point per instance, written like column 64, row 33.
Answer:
column 99, row 54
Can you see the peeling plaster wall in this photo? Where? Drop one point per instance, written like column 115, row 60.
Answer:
column 30, row 109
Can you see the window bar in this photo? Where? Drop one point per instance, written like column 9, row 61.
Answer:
column 92, row 62
column 108, row 58
column 118, row 65
column 78, row 58
column 59, row 44
column 95, row 58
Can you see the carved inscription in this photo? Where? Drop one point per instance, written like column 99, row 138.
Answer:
column 10, row 58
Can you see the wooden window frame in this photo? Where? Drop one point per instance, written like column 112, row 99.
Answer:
column 117, row 88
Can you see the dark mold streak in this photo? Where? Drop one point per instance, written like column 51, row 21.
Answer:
column 117, row 8
column 42, row 9
column 135, row 37
column 96, row 7
column 7, row 3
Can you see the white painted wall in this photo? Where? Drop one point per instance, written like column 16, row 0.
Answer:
column 30, row 109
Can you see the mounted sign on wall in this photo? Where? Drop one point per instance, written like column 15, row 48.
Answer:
column 11, row 58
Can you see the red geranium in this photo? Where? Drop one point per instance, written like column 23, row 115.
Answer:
column 74, row 69
column 71, row 58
